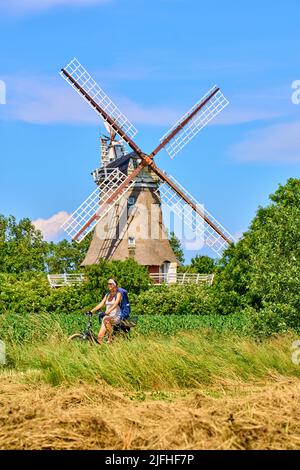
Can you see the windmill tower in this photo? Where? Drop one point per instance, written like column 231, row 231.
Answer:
column 127, row 231
column 125, row 209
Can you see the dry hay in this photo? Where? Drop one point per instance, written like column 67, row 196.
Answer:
column 231, row 416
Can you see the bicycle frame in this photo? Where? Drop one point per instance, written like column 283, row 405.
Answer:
column 89, row 333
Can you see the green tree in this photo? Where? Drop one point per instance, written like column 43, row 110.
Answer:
column 176, row 247
column 22, row 247
column 262, row 272
column 129, row 274
column 65, row 256
column 203, row 264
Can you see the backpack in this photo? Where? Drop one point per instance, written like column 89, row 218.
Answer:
column 125, row 304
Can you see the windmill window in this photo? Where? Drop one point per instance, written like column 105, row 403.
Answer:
column 131, row 201
column 131, row 241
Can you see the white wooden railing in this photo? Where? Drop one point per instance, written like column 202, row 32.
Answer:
column 61, row 280
column 182, row 278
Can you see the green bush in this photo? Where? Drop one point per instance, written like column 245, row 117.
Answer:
column 174, row 300
column 128, row 273
column 23, row 293
column 273, row 319
column 31, row 292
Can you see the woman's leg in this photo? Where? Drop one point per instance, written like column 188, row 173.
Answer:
column 103, row 328
column 109, row 330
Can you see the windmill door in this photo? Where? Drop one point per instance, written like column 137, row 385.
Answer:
column 164, row 271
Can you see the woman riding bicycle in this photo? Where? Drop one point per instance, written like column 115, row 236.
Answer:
column 112, row 316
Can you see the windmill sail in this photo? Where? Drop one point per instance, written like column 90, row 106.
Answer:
column 204, row 111
column 200, row 221
column 96, row 206
column 78, row 77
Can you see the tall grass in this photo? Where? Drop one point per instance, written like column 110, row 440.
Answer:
column 154, row 363
column 163, row 353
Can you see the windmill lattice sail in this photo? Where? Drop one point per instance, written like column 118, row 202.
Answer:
column 94, row 91
column 193, row 220
column 211, row 108
column 96, row 206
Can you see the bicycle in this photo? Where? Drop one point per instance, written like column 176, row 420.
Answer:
column 123, row 328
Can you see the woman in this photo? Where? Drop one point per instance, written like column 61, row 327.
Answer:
column 112, row 301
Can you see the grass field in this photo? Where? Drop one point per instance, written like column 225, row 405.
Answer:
column 198, row 384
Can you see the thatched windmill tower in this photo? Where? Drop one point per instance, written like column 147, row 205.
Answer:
column 125, row 209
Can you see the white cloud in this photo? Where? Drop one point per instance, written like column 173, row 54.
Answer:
column 151, row 115
column 51, row 228
column 32, row 6
column 277, row 143
column 43, row 100
column 243, row 115
column 257, row 106
column 47, row 100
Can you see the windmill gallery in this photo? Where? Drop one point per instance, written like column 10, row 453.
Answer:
column 125, row 210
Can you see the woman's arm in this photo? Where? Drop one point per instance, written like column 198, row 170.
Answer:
column 98, row 307
column 115, row 304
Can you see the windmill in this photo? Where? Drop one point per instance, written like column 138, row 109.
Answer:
column 126, row 179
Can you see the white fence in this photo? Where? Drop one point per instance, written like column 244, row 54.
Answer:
column 61, row 280
column 182, row 278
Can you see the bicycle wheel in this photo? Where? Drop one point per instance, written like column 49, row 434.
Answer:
column 80, row 338
column 77, row 337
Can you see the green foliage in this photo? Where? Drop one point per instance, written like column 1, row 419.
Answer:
column 166, row 325
column 31, row 293
column 199, row 265
column 176, row 247
column 128, row 273
column 22, row 248
column 65, row 256
column 27, row 328
column 23, row 293
column 203, row 264
column 262, row 271
column 273, row 319
column 174, row 300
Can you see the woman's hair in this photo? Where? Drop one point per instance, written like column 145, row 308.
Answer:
column 113, row 281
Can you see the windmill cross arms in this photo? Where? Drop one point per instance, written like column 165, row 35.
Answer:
column 77, row 76
column 194, row 216
column 93, row 210
column 204, row 111
column 192, row 203
column 99, row 203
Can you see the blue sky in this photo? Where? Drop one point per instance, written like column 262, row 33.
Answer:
column 155, row 59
